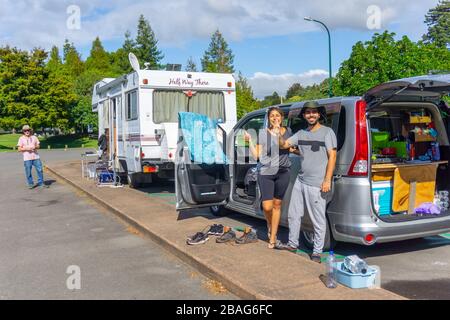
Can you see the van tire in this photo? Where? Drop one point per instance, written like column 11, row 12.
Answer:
column 219, row 211
column 133, row 181
column 307, row 239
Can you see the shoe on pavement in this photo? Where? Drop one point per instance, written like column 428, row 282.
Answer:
column 198, row 238
column 43, row 186
column 227, row 236
column 30, row 187
column 316, row 258
column 284, row 246
column 216, row 230
column 249, row 236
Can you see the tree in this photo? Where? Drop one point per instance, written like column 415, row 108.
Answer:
column 218, row 57
column 296, row 89
column 313, row 92
column 119, row 59
column 146, row 45
column 30, row 93
column 54, row 64
column 383, row 59
column 190, row 65
column 270, row 100
column 438, row 21
column 98, row 59
column 73, row 64
column 244, row 97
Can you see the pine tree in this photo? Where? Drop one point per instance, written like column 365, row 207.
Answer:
column 146, row 45
column 438, row 21
column 119, row 59
column 245, row 101
column 218, row 57
column 190, row 65
column 54, row 64
column 73, row 64
column 99, row 58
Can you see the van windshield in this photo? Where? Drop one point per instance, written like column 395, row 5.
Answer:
column 167, row 104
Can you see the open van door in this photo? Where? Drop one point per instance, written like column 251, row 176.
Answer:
column 422, row 88
column 202, row 176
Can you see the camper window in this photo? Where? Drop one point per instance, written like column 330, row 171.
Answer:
column 131, row 106
column 167, row 104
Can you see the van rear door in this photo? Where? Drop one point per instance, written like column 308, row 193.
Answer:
column 421, row 88
column 202, row 177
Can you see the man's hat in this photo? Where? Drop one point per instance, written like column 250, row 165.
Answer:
column 26, row 127
column 313, row 105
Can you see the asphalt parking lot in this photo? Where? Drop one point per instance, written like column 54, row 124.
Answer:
column 47, row 233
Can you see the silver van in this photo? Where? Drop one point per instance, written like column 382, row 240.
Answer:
column 390, row 117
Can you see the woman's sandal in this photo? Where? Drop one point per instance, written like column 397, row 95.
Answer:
column 271, row 245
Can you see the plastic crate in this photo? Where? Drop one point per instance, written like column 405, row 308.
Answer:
column 355, row 281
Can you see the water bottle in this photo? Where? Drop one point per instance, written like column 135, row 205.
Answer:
column 435, row 150
column 355, row 265
column 330, row 271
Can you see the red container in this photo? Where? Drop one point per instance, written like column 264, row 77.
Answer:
column 389, row 151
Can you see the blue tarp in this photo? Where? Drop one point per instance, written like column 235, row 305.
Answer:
column 200, row 136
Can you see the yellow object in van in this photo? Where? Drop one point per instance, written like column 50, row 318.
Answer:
column 425, row 184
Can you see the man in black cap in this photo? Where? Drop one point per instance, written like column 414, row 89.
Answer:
column 317, row 145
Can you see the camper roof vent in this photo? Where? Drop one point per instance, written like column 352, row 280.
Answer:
column 173, row 67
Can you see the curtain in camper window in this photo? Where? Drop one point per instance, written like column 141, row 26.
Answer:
column 210, row 104
column 167, row 104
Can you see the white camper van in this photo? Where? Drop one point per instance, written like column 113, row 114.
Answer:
column 138, row 113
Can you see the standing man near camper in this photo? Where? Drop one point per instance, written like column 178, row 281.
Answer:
column 317, row 145
column 29, row 144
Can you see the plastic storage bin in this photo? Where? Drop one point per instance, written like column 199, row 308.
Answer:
column 355, row 281
column 384, row 191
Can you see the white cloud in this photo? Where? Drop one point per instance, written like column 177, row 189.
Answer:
column 28, row 23
column 264, row 84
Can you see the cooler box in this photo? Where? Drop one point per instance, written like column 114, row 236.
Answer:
column 384, row 190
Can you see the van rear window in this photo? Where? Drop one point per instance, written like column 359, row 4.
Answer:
column 167, row 104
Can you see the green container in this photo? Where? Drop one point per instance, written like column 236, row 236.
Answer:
column 400, row 148
column 380, row 139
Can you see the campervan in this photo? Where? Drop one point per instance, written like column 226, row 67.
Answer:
column 138, row 114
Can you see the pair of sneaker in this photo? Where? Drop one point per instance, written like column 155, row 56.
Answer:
column 203, row 236
column 249, row 236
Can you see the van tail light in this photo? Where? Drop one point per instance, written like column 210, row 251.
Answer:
column 359, row 166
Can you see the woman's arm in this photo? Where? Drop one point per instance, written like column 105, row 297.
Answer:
column 255, row 149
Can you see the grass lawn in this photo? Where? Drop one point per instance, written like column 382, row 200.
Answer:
column 8, row 141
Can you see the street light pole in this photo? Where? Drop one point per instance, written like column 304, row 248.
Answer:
column 330, row 84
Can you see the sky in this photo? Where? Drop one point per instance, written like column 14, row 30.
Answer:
column 273, row 45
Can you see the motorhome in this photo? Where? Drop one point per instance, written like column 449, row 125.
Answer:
column 138, row 114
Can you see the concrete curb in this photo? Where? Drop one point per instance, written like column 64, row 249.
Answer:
column 203, row 267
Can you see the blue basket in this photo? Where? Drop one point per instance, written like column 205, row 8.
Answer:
column 106, row 177
column 355, row 281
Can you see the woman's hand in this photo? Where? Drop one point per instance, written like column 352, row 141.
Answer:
column 247, row 137
column 326, row 186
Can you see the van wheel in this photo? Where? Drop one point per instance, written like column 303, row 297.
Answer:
column 132, row 181
column 307, row 238
column 219, row 211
